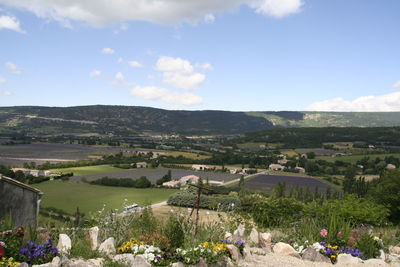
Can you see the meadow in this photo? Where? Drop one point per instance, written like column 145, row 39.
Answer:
column 79, row 171
column 90, row 198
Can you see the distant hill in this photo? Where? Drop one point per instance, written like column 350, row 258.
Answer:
column 132, row 120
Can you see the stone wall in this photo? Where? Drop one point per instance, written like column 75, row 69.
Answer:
column 20, row 202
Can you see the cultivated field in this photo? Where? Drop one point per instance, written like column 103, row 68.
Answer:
column 90, row 198
column 154, row 174
column 79, row 171
column 267, row 182
column 354, row 158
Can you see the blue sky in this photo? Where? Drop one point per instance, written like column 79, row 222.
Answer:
column 334, row 55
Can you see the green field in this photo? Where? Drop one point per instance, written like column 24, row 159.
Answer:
column 355, row 158
column 78, row 171
column 69, row 195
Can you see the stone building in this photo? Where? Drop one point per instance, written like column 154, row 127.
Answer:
column 19, row 200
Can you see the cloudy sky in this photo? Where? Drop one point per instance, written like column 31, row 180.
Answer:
column 331, row 55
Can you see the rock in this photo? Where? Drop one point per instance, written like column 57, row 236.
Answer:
column 394, row 250
column 24, row 264
column 254, row 237
column 108, row 246
column 228, row 236
column 375, row 262
column 178, row 264
column 128, row 259
column 246, row 251
column 382, row 254
column 140, row 261
column 94, row 237
column 258, row 251
column 56, row 261
column 49, row 264
column 96, row 262
column 64, row 244
column 311, row 254
column 283, row 248
column 296, row 255
column 239, row 233
column 80, row 263
column 347, row 259
column 235, row 253
column 202, row 263
column 265, row 240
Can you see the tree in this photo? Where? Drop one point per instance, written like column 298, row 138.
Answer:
column 349, row 180
column 310, row 155
column 385, row 191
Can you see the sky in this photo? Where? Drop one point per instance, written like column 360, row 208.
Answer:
column 239, row 55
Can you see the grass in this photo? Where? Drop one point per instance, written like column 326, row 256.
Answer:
column 206, row 216
column 68, row 196
column 78, row 171
column 354, row 158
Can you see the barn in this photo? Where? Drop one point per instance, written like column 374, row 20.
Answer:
column 19, row 200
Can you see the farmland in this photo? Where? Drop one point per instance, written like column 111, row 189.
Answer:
column 89, row 198
column 154, row 174
column 266, row 183
column 354, row 158
column 79, row 171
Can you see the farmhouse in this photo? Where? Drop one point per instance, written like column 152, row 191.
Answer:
column 276, row 167
column 141, row 165
column 197, row 167
column 282, row 161
column 300, row 169
column 19, row 201
column 182, row 181
column 32, row 172
column 390, row 166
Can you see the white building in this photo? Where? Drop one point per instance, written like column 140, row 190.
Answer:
column 276, row 167
column 198, row 167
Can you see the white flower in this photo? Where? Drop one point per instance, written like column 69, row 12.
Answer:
column 317, row 246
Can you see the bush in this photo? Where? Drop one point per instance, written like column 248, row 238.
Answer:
column 185, row 199
column 369, row 246
column 174, row 232
column 268, row 212
column 142, row 182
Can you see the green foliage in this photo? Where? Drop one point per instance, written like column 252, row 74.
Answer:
column 166, row 178
column 173, row 230
column 141, row 182
column 186, row 199
column 267, row 212
column 369, row 246
column 81, row 247
column 357, row 210
column 385, row 191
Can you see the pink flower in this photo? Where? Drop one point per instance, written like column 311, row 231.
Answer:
column 339, row 234
column 324, row 232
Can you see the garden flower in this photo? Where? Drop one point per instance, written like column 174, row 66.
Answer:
column 376, row 238
column 324, row 232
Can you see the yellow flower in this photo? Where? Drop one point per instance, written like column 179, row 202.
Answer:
column 205, row 244
column 376, row 238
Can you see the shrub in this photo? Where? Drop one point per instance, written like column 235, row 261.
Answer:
column 369, row 246
column 185, row 199
column 174, row 232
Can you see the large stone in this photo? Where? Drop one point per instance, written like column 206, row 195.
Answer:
column 24, row 264
column 235, row 253
column 394, row 250
column 228, row 236
column 239, row 233
column 382, row 254
column 140, row 261
column 265, row 240
column 178, row 264
column 254, row 237
column 347, row 259
column 64, row 244
column 108, row 246
column 375, row 262
column 128, row 259
column 81, row 263
column 96, row 262
column 94, row 237
column 311, row 254
column 56, row 261
column 283, row 248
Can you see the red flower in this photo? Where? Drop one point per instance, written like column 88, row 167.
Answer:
column 20, row 231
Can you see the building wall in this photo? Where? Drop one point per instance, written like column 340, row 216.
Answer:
column 21, row 203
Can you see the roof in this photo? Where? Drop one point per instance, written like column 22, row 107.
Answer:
column 17, row 183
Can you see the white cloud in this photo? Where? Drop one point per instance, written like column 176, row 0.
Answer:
column 206, row 66
column 388, row 102
column 10, row 23
column 13, row 68
column 95, row 73
column 108, row 51
column 397, row 85
column 101, row 12
column 179, row 73
column 5, row 93
column 184, row 81
column 164, row 95
column 2, row 79
column 209, row 18
column 120, row 80
column 120, row 60
column 135, row 64
column 277, row 8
